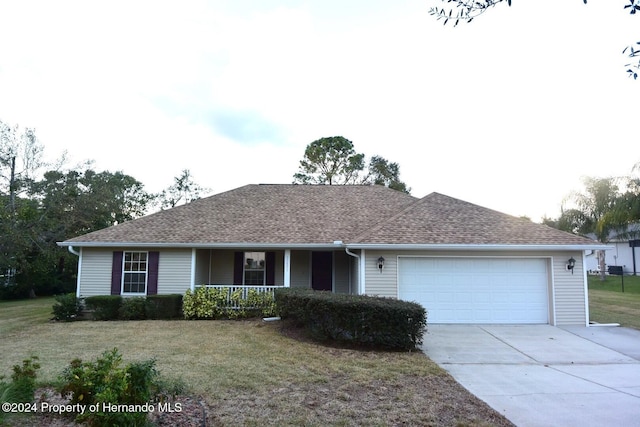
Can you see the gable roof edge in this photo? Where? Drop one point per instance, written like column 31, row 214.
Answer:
column 478, row 247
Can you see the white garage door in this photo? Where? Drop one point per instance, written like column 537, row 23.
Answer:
column 477, row 290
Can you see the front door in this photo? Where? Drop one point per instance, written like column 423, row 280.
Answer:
column 322, row 271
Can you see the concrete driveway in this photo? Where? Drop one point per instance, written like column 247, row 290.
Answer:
column 541, row 375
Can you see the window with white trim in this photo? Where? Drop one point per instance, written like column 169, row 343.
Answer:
column 254, row 268
column 134, row 273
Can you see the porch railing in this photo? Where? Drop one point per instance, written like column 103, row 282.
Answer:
column 244, row 290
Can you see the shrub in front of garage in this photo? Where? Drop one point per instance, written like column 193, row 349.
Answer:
column 356, row 319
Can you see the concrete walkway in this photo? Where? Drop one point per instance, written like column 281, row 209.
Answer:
column 541, row 375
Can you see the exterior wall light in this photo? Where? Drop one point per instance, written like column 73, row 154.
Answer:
column 571, row 264
column 380, row 263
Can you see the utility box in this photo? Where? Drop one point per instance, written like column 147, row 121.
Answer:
column 615, row 270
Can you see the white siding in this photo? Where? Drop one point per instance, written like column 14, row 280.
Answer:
column 381, row 283
column 174, row 271
column 202, row 267
column 355, row 274
column 341, row 279
column 279, row 273
column 569, row 290
column 566, row 290
column 95, row 275
column 300, row 269
column 221, row 272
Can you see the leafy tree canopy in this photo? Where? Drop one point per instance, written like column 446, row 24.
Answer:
column 334, row 161
column 183, row 190
column 331, row 160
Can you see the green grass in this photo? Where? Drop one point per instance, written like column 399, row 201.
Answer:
column 20, row 315
column 249, row 373
column 608, row 304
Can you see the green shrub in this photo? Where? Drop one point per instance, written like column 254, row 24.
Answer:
column 105, row 307
column 164, row 306
column 358, row 319
column 106, row 382
column 202, row 303
column 132, row 308
column 217, row 303
column 22, row 387
column 67, row 307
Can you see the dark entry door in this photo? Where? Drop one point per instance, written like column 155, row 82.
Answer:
column 321, row 271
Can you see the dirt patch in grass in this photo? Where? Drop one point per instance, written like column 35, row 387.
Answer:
column 422, row 398
column 408, row 400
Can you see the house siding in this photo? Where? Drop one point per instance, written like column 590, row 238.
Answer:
column 569, row 290
column 381, row 283
column 566, row 290
column 95, row 276
column 354, row 273
column 300, row 269
column 221, row 269
column 174, row 271
column 341, row 279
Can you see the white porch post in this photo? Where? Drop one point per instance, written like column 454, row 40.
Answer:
column 287, row 268
column 363, row 265
column 193, row 269
column 78, row 293
column 586, row 290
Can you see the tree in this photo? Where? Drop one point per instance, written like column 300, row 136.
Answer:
column 20, row 158
column 597, row 210
column 183, row 190
column 59, row 206
column 334, row 161
column 467, row 10
column 330, row 161
column 384, row 172
column 79, row 202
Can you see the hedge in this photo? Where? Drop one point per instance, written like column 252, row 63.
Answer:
column 221, row 303
column 105, row 307
column 115, row 307
column 164, row 307
column 358, row 319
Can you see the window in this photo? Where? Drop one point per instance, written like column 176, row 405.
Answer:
column 254, row 268
column 134, row 273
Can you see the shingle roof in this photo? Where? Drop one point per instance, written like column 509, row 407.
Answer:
column 322, row 214
column 439, row 219
column 276, row 214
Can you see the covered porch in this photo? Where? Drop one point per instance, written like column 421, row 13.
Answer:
column 265, row 270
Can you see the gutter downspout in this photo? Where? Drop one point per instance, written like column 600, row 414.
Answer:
column 356, row 256
column 79, row 255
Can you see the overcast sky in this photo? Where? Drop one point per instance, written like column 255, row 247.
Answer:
column 508, row 112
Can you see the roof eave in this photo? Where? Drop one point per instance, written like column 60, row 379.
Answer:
column 339, row 244
column 236, row 245
column 481, row 247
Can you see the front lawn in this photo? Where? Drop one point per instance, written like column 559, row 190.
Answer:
column 249, row 373
column 608, row 304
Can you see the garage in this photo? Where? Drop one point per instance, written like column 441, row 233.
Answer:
column 477, row 289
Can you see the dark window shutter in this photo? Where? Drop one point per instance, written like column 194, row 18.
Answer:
column 238, row 261
column 152, row 278
column 270, row 264
column 116, row 273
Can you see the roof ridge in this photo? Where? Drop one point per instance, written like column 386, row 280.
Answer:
column 378, row 225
